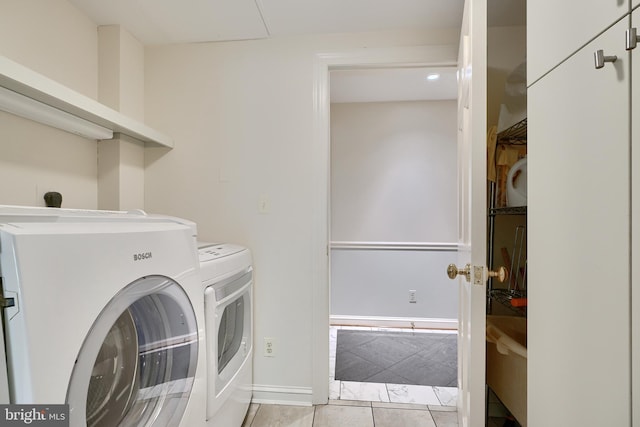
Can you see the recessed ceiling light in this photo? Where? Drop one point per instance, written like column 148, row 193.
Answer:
column 433, row 76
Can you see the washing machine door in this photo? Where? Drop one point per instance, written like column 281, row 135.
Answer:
column 137, row 364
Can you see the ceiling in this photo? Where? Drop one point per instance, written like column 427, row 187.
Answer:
column 170, row 21
column 155, row 22
column 397, row 84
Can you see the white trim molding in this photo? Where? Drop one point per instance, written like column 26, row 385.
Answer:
column 398, row 57
column 395, row 322
column 402, row 246
column 279, row 395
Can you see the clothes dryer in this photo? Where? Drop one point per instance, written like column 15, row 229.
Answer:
column 227, row 276
column 104, row 312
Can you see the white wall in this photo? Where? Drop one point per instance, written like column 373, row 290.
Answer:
column 393, row 179
column 393, row 171
column 121, row 71
column 35, row 159
column 370, row 286
column 54, row 39
column 121, row 87
column 242, row 117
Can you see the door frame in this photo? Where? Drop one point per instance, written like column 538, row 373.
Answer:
column 395, row 57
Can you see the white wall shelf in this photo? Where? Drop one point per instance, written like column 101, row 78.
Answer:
column 31, row 84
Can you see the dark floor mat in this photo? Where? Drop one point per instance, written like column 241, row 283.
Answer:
column 397, row 357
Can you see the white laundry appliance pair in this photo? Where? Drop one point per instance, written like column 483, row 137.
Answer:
column 104, row 311
column 227, row 282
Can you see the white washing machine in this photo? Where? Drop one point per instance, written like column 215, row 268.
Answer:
column 227, row 280
column 104, row 313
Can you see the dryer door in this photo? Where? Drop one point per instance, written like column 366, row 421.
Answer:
column 137, row 365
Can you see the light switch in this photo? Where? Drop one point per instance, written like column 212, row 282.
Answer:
column 223, row 176
column 264, row 204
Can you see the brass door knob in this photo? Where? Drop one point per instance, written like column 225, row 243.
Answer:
column 453, row 272
column 501, row 274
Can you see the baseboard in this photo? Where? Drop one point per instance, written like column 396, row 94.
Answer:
column 279, row 395
column 404, row 246
column 394, row 322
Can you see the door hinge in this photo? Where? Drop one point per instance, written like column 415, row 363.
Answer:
column 5, row 302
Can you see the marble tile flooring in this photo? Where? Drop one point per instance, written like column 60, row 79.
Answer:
column 390, row 393
column 355, row 404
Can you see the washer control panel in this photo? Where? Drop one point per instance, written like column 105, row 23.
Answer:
column 211, row 251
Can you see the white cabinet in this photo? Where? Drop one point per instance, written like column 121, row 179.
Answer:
column 556, row 29
column 635, row 220
column 579, row 190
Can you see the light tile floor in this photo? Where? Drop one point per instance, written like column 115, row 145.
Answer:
column 345, row 413
column 354, row 404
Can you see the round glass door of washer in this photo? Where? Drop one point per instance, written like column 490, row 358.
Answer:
column 137, row 364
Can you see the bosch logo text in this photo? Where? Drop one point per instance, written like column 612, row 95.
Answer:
column 142, row 256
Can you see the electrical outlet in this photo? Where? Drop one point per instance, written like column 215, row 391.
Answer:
column 269, row 347
column 412, row 297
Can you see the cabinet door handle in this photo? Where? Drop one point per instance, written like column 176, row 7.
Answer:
column 600, row 58
column 631, row 38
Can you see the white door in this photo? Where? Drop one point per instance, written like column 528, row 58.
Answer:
column 472, row 211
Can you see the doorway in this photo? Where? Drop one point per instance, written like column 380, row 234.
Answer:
column 434, row 55
column 392, row 227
